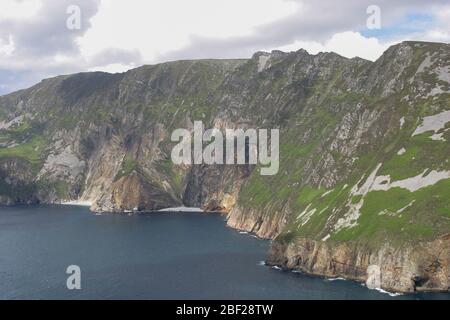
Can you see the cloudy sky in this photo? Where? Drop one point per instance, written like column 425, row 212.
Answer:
column 44, row 38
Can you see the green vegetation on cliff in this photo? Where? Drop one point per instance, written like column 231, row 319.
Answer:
column 343, row 123
column 31, row 151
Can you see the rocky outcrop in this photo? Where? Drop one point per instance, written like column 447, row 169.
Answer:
column 407, row 269
column 16, row 186
column 214, row 188
column 266, row 224
column 364, row 156
column 133, row 191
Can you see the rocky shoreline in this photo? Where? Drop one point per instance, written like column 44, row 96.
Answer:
column 363, row 180
column 423, row 267
column 417, row 268
column 411, row 268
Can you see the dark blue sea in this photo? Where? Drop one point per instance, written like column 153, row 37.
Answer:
column 155, row 256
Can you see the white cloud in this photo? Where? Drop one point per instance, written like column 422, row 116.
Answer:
column 113, row 68
column 7, row 48
column 13, row 9
column 120, row 34
column 441, row 30
column 348, row 44
column 160, row 26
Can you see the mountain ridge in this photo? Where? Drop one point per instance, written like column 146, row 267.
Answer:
column 357, row 186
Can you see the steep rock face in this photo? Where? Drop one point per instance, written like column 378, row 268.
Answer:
column 267, row 223
column 215, row 188
column 15, row 182
column 364, row 152
column 409, row 268
column 91, row 135
column 134, row 191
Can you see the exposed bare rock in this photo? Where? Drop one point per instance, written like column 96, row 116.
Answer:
column 410, row 268
column 364, row 165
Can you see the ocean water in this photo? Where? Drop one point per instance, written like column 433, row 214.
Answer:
column 157, row 256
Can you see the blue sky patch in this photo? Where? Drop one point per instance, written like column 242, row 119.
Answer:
column 410, row 24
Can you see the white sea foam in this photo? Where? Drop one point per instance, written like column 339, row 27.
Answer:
column 276, row 268
column 335, row 279
column 392, row 294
